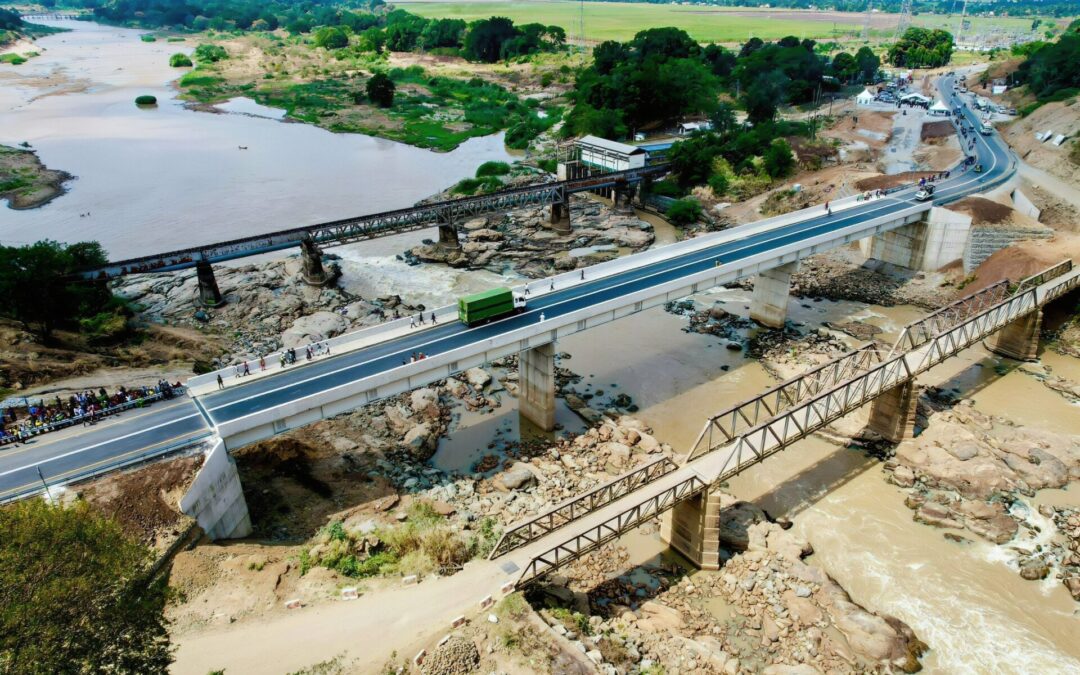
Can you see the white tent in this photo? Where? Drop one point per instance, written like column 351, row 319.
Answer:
column 865, row 98
column 939, row 108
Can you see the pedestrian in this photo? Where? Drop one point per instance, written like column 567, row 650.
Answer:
column 433, row 321
column 412, row 322
column 237, row 370
column 420, row 316
column 246, row 370
column 552, row 285
column 220, row 382
column 307, row 351
column 826, row 206
column 541, row 317
column 281, row 359
column 262, row 363
column 526, row 290
column 327, row 346
column 583, row 275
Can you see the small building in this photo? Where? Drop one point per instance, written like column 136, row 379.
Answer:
column 940, row 109
column 687, row 128
column 865, row 98
column 609, row 155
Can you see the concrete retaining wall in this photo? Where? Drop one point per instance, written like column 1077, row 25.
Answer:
column 925, row 246
column 1024, row 205
column 985, row 241
column 215, row 498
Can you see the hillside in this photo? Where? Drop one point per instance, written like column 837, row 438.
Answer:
column 1061, row 118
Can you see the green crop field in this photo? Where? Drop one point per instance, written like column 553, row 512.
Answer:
column 620, row 21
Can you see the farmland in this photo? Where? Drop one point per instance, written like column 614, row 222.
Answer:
column 620, row 21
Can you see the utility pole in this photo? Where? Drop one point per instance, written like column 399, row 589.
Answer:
column 905, row 18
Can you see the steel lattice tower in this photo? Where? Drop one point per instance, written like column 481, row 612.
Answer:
column 905, row 18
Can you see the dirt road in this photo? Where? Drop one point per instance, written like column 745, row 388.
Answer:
column 370, row 629
column 1060, row 188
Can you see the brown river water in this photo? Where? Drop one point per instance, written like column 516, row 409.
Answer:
column 167, row 177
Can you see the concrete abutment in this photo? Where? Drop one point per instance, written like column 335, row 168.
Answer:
column 939, row 239
column 536, row 382
column 892, row 415
column 216, row 498
column 448, row 237
column 1020, row 339
column 769, row 303
column 313, row 271
column 560, row 216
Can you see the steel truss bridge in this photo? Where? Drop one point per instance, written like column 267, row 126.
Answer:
column 348, row 230
column 749, row 432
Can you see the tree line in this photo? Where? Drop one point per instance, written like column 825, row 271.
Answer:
column 1057, row 8
column 1052, row 70
column 663, row 74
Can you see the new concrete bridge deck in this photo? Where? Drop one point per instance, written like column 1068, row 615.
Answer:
column 377, row 365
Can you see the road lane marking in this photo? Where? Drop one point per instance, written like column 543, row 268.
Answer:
column 98, row 445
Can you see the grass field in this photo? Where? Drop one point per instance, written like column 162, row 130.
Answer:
column 620, row 21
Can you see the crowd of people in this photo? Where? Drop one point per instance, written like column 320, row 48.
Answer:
column 18, row 423
column 286, row 357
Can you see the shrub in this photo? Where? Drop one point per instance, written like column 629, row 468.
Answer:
column 666, row 188
column 380, row 90
column 146, row 99
column 148, row 38
column 210, row 53
column 179, row 60
column 549, row 165
column 466, row 186
column 492, row 169
column 684, row 211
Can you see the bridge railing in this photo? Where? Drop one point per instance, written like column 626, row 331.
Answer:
column 549, row 521
column 36, row 430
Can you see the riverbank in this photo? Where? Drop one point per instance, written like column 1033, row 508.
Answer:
column 25, row 182
column 429, row 109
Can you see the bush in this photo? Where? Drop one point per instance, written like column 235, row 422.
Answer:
column 148, row 38
column 466, row 186
column 380, row 90
column 549, row 165
column 179, row 60
column 666, row 188
column 492, row 169
column 146, row 99
column 210, row 53
column 684, row 211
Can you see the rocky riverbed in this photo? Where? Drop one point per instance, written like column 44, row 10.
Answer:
column 267, row 306
column 522, row 241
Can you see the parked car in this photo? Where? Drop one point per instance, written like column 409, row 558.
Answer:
column 924, row 194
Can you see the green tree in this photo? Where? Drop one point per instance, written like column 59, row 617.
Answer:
column 778, row 159
column 373, row 40
column 179, row 60
column 922, row 48
column 868, row 64
column 36, row 287
column 485, row 39
column 764, row 95
column 331, row 37
column 684, row 211
column 380, row 90
column 74, row 595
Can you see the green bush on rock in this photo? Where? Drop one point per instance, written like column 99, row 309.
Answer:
column 146, row 99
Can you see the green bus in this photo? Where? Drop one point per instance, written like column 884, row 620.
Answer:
column 487, row 306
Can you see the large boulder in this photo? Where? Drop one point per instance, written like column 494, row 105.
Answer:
column 517, row 477
column 477, row 377
column 419, row 441
column 425, row 403
column 313, row 328
column 735, row 523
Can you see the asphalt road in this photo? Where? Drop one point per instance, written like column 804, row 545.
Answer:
column 67, row 454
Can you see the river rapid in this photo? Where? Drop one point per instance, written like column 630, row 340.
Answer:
column 155, row 179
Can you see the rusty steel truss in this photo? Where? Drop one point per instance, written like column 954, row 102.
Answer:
column 534, row 528
column 796, row 422
column 611, row 528
column 349, row 230
column 760, row 427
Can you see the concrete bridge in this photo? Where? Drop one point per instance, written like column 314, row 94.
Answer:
column 373, row 364
column 53, row 17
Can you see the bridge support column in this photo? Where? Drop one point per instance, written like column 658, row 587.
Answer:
column 209, row 294
column 313, row 271
column 536, row 383
column 448, row 237
column 1020, row 339
column 693, row 529
column 892, row 415
column 769, row 303
column 622, row 199
column 560, row 216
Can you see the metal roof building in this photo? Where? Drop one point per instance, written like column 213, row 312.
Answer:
column 609, row 155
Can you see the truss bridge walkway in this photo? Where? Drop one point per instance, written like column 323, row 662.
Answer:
column 747, row 433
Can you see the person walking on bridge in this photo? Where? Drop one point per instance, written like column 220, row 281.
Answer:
column 262, row 363
column 420, row 318
column 220, row 382
column 433, row 321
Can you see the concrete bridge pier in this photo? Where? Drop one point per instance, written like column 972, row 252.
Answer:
column 313, row 271
column 1020, row 339
column 209, row 295
column 769, row 303
column 536, row 383
column 892, row 415
column 693, row 529
column 622, row 198
column 560, row 216
column 448, row 237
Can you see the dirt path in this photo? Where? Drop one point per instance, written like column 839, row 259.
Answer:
column 370, row 629
column 1063, row 190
